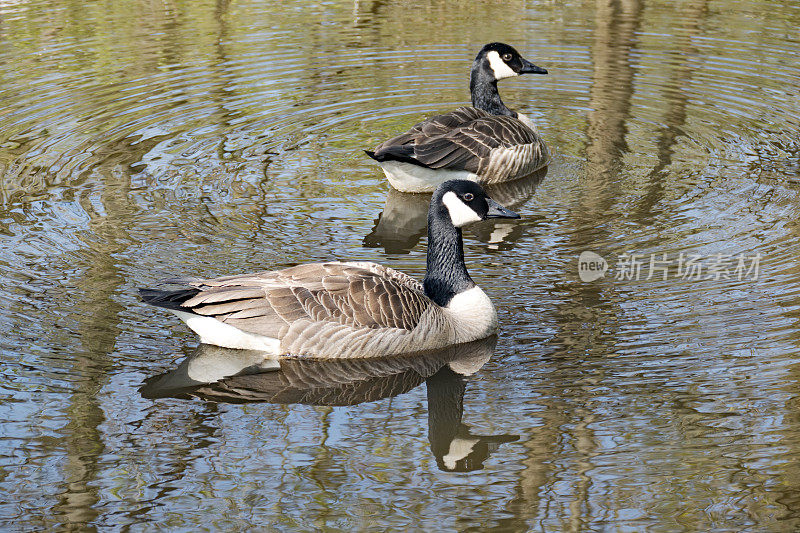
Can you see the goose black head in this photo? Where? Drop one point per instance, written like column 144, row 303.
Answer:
column 466, row 202
column 504, row 61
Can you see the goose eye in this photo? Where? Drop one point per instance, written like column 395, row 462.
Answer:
column 506, row 57
column 469, row 196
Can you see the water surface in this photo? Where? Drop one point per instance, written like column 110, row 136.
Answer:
column 143, row 140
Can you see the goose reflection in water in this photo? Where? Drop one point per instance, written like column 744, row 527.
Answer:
column 404, row 219
column 242, row 376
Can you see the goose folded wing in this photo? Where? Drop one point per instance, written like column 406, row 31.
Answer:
column 459, row 149
column 436, row 126
column 467, row 146
column 502, row 131
column 443, row 124
column 359, row 295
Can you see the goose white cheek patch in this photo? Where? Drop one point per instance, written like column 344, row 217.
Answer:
column 460, row 213
column 501, row 70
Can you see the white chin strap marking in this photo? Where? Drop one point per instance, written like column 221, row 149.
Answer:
column 460, row 213
column 501, row 70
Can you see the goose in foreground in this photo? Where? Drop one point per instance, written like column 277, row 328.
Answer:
column 487, row 143
column 350, row 309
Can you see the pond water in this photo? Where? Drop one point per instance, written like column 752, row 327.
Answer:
column 141, row 140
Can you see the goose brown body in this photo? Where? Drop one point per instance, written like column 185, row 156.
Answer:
column 487, row 143
column 336, row 309
column 488, row 148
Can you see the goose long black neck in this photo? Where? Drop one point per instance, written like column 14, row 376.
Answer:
column 483, row 87
column 447, row 274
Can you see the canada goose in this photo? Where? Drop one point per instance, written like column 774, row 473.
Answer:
column 487, row 143
column 350, row 309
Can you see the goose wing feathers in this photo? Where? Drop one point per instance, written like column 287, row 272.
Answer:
column 355, row 295
column 467, row 139
column 433, row 127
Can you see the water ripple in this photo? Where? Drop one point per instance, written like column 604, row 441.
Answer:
column 226, row 137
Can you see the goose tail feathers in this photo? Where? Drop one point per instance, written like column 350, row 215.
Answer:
column 401, row 153
column 167, row 299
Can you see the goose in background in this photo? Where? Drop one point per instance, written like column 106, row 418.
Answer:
column 401, row 224
column 219, row 374
column 350, row 309
column 487, row 143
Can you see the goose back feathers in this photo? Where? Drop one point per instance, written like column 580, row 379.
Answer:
column 339, row 309
column 487, row 148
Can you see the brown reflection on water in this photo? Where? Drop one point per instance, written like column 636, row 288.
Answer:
column 616, row 25
column 614, row 37
column 404, row 219
column 692, row 16
column 95, row 312
column 240, row 376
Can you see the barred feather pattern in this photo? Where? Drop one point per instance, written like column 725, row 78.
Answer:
column 495, row 147
column 328, row 309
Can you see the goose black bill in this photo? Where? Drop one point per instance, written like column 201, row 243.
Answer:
column 498, row 211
